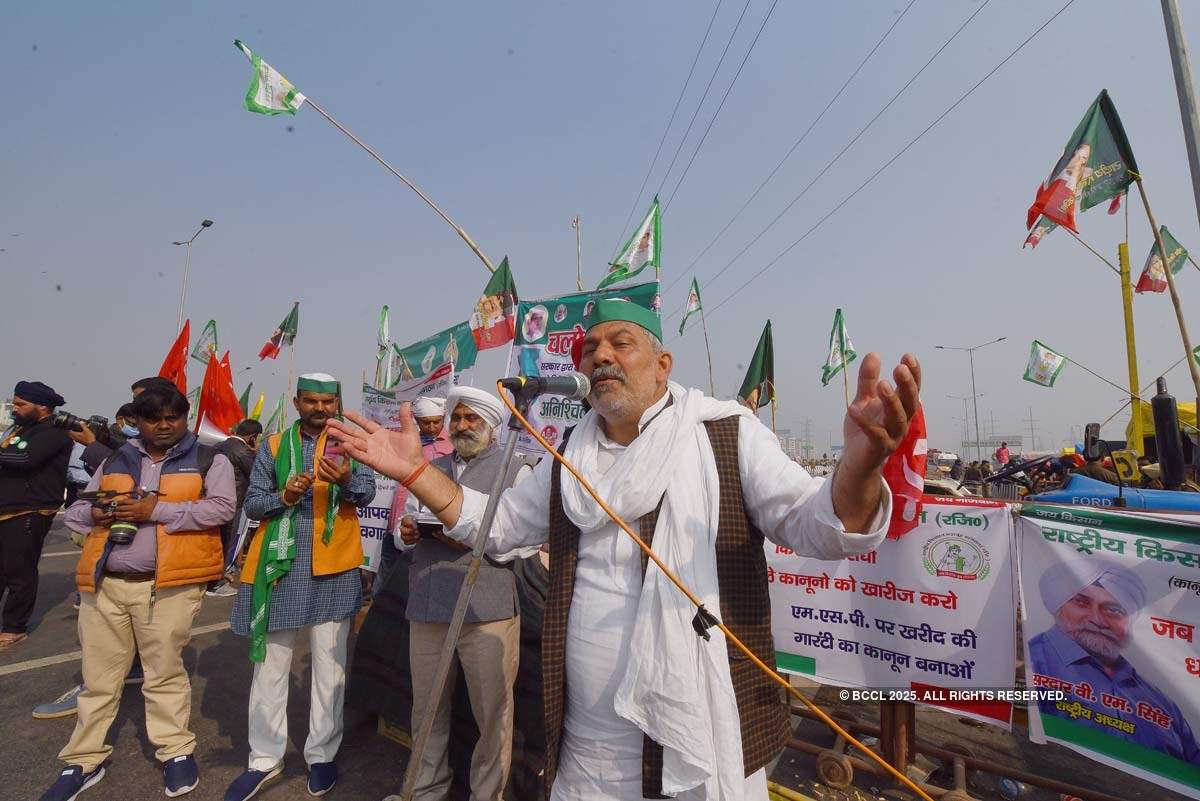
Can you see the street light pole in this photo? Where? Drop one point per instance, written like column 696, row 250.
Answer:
column 575, row 223
column 187, row 268
column 974, row 395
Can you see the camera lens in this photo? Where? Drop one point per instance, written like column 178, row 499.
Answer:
column 122, row 533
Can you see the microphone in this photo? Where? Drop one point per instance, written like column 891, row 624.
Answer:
column 575, row 386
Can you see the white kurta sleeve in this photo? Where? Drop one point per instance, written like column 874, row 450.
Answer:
column 794, row 509
column 522, row 519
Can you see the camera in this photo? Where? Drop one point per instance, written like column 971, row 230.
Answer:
column 64, row 419
column 120, row 532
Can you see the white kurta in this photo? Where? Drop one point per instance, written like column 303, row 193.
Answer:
column 601, row 756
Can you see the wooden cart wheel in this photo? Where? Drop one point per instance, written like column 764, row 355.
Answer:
column 835, row 769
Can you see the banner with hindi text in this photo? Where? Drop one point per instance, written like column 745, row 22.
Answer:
column 1110, row 603
column 930, row 612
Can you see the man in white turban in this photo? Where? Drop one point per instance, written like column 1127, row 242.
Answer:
column 429, row 412
column 490, row 642
column 1095, row 602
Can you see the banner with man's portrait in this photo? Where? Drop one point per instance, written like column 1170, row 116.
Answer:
column 1111, row 602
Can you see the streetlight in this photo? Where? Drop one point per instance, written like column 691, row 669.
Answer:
column 187, row 266
column 974, row 395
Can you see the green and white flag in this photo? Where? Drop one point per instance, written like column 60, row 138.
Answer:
column 269, row 92
column 193, row 406
column 206, row 344
column 244, row 400
column 841, row 350
column 644, row 249
column 1044, row 365
column 693, row 304
column 758, row 387
column 383, row 349
column 276, row 421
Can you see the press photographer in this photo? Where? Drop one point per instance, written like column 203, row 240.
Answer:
column 33, row 477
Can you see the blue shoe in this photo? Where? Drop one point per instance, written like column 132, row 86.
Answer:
column 249, row 783
column 180, row 775
column 71, row 782
column 61, row 707
column 321, row 778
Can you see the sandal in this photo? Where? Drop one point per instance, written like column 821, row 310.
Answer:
column 10, row 638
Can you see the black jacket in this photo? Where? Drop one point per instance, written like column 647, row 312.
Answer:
column 241, row 456
column 33, row 468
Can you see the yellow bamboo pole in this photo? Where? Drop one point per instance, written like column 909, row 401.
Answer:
column 1138, row 444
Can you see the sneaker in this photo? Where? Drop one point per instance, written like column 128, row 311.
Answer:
column 249, row 783
column 321, row 778
column 135, row 675
column 71, row 782
column 61, row 707
column 222, row 589
column 180, row 775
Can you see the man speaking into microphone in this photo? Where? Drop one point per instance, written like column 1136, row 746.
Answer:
column 636, row 704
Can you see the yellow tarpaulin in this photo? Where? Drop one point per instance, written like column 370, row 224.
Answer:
column 1187, row 419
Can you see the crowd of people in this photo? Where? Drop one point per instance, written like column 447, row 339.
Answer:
column 163, row 520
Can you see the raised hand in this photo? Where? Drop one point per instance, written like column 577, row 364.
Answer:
column 877, row 419
column 394, row 453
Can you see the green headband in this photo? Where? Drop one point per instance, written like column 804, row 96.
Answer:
column 613, row 310
column 313, row 385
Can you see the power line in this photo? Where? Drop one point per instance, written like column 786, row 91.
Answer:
column 893, row 159
column 703, row 97
column 724, row 97
column 670, row 122
column 792, row 149
column 862, row 131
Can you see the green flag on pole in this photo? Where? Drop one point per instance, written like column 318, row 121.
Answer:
column 285, row 334
column 693, row 304
column 644, row 249
column 841, row 350
column 758, row 388
column 383, row 349
column 1044, row 365
column 244, row 401
column 275, row 422
column 193, row 406
column 269, row 92
column 206, row 344
column 1154, row 276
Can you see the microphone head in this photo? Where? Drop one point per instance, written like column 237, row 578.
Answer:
column 584, row 387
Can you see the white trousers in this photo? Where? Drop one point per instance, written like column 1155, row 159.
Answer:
column 269, row 695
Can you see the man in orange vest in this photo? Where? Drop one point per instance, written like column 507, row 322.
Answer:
column 301, row 573
column 150, row 548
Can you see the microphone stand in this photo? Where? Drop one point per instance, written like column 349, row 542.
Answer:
column 522, row 398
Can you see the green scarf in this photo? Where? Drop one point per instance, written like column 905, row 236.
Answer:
column 279, row 539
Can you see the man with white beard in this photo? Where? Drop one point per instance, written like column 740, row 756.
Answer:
column 490, row 642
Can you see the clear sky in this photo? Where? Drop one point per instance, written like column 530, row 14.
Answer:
column 123, row 127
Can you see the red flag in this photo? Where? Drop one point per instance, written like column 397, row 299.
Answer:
column 218, row 401
column 904, row 472
column 174, row 367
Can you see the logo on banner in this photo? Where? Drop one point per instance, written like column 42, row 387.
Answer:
column 956, row 556
column 550, row 434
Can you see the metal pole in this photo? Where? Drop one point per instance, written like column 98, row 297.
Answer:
column 457, row 228
column 446, row 658
column 712, row 383
column 187, row 267
column 1032, row 438
column 575, row 223
column 975, row 402
column 1181, row 66
column 1138, row 444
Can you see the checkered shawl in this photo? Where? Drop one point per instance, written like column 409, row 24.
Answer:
column 745, row 608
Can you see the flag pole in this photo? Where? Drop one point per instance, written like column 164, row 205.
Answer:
column 1139, row 443
column 1095, row 253
column 845, row 375
column 576, row 223
column 1166, row 256
column 712, row 384
column 774, row 406
column 457, row 228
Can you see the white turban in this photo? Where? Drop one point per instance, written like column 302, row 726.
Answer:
column 429, row 406
column 1062, row 581
column 484, row 404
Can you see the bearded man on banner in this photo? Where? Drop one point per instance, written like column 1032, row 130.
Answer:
column 636, row 704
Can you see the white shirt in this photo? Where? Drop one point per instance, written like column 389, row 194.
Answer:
column 601, row 756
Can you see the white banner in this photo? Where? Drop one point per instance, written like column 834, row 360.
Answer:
column 383, row 407
column 923, row 616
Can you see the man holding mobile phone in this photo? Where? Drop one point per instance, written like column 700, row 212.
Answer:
column 301, row 574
